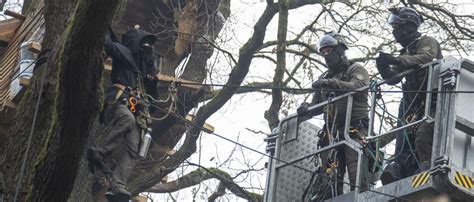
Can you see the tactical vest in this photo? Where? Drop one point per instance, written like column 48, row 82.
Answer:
column 341, row 106
column 414, row 101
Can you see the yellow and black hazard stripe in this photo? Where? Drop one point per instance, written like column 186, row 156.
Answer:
column 420, row 179
column 464, row 180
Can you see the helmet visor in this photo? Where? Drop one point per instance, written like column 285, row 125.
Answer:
column 396, row 20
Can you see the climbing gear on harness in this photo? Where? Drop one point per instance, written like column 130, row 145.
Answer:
column 332, row 166
column 354, row 133
column 132, row 101
column 145, row 145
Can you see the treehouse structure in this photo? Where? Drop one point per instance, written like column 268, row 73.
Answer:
column 20, row 39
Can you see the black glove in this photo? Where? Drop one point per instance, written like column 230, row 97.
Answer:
column 302, row 109
column 386, row 71
column 388, row 59
column 380, row 63
column 321, row 84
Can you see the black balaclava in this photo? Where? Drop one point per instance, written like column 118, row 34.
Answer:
column 134, row 40
column 406, row 33
column 146, row 55
column 336, row 60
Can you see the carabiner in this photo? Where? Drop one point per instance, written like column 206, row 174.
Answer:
column 133, row 103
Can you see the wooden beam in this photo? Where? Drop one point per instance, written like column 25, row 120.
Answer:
column 15, row 15
column 139, row 199
column 8, row 28
column 207, row 127
column 184, row 83
column 25, row 82
column 163, row 78
column 34, row 47
column 10, row 105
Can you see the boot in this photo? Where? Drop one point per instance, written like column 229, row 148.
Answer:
column 118, row 194
column 391, row 173
column 425, row 165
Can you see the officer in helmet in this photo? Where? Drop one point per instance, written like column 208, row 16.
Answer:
column 342, row 74
column 417, row 50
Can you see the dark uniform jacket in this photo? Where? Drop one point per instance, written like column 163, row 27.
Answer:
column 352, row 77
column 423, row 50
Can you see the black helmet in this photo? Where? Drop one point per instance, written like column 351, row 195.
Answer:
column 332, row 39
column 403, row 15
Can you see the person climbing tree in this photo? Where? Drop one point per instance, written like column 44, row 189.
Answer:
column 133, row 65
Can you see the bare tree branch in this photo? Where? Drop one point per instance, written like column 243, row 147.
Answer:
column 202, row 174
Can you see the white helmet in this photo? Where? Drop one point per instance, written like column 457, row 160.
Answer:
column 332, row 39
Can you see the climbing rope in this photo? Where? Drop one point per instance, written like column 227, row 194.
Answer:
column 172, row 95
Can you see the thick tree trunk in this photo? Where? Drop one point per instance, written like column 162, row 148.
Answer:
column 79, row 61
column 16, row 141
column 70, row 101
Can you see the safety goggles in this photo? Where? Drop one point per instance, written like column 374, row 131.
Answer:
column 395, row 20
column 147, row 47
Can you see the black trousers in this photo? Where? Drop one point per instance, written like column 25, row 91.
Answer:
column 120, row 147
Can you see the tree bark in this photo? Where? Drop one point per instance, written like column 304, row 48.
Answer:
column 77, row 100
column 70, row 100
column 12, row 154
column 77, row 103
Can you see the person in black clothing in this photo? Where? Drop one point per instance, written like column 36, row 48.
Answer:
column 133, row 63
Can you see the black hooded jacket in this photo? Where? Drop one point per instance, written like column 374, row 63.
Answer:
column 129, row 59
